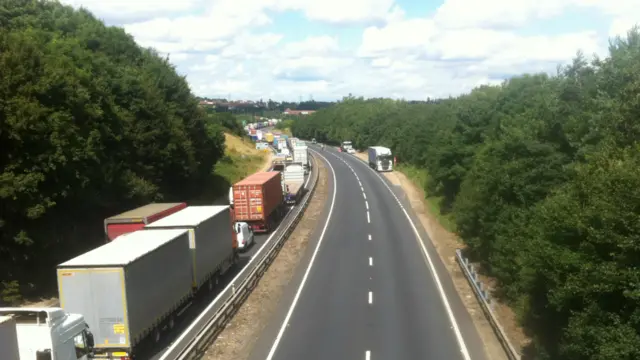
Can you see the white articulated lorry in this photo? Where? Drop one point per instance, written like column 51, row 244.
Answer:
column 129, row 288
column 380, row 158
column 294, row 183
column 210, row 240
column 301, row 156
column 347, row 147
column 43, row 334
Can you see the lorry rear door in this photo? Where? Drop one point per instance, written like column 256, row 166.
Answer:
column 90, row 292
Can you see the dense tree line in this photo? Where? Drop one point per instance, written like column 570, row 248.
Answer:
column 225, row 119
column 91, row 124
column 542, row 178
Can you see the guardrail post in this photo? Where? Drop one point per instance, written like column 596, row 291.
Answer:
column 482, row 294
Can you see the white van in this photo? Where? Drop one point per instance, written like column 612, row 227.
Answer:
column 244, row 235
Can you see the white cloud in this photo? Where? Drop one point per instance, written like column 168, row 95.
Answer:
column 620, row 26
column 351, row 11
column 228, row 47
column 247, row 46
column 515, row 13
column 313, row 45
column 400, row 35
column 127, row 10
column 496, row 13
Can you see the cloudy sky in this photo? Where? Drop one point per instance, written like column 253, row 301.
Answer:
column 412, row 49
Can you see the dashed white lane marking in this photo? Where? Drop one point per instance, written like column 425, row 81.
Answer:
column 443, row 296
column 361, row 188
column 366, row 204
column 368, row 217
column 370, row 297
column 370, row 261
column 364, row 195
column 367, row 355
column 369, row 237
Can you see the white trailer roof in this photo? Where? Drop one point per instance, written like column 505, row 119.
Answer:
column 190, row 216
column 381, row 149
column 125, row 249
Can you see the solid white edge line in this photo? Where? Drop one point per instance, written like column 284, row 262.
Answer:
column 307, row 182
column 370, row 297
column 367, row 355
column 231, row 283
column 306, row 273
column 443, row 295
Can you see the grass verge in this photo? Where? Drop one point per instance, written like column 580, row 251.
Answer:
column 240, row 160
column 420, row 177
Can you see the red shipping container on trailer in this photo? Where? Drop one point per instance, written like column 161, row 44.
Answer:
column 136, row 219
column 257, row 200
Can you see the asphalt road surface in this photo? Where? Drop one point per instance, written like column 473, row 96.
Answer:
column 153, row 351
column 366, row 287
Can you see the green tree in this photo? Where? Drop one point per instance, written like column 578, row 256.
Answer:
column 91, row 124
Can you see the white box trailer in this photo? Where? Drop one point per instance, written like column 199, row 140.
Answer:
column 301, row 156
column 294, row 181
column 291, row 142
column 9, row 339
column 128, row 288
column 380, row 158
column 210, row 239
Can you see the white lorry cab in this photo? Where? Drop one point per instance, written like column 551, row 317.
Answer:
column 347, row 147
column 380, row 158
column 44, row 334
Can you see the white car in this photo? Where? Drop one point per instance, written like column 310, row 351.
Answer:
column 244, row 235
column 351, row 151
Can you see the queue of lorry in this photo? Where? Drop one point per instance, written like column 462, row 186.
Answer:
column 292, row 160
column 155, row 261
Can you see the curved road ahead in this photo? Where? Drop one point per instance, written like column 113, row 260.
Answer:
column 366, row 287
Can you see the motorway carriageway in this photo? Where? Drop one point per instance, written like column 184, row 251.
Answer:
column 370, row 284
column 154, row 351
